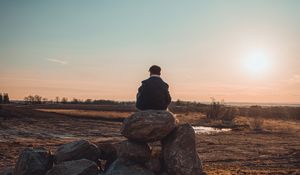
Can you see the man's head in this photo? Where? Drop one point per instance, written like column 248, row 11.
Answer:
column 154, row 70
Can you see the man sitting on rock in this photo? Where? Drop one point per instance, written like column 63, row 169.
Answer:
column 154, row 92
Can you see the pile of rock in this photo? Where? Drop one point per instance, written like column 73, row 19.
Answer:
column 134, row 156
column 75, row 158
column 178, row 155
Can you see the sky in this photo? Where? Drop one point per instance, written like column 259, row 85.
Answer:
column 238, row 51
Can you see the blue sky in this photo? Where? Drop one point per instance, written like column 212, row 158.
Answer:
column 102, row 49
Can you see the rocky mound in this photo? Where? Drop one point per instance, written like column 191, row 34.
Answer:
column 178, row 155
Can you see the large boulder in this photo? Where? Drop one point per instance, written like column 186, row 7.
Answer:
column 148, row 126
column 76, row 167
column 179, row 152
column 134, row 151
column 76, row 150
column 125, row 167
column 33, row 162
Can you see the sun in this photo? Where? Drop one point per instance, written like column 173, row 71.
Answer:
column 257, row 62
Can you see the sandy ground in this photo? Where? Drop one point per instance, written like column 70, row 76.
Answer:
column 276, row 150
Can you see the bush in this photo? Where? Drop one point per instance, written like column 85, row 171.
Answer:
column 229, row 115
column 256, row 124
column 214, row 110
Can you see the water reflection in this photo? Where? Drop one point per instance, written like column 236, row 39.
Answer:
column 209, row 130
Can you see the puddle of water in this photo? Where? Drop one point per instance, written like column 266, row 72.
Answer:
column 209, row 130
column 63, row 136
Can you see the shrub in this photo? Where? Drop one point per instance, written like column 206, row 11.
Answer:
column 214, row 110
column 256, row 124
column 229, row 115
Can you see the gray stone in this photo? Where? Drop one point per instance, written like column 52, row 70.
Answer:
column 134, row 151
column 7, row 171
column 148, row 126
column 76, row 150
column 125, row 167
column 179, row 152
column 108, row 153
column 33, row 162
column 76, row 167
column 154, row 164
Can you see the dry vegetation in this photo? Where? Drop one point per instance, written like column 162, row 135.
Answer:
column 256, row 145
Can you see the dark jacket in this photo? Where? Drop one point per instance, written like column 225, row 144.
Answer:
column 153, row 94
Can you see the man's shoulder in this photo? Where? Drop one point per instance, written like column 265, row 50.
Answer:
column 155, row 80
column 145, row 81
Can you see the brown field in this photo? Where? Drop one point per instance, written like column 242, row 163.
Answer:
column 273, row 150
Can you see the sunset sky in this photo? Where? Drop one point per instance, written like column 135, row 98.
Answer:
column 239, row 51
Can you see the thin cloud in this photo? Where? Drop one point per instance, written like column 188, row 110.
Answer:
column 58, row 61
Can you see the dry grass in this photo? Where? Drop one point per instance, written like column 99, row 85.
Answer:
column 190, row 117
column 276, row 151
column 89, row 113
column 256, row 124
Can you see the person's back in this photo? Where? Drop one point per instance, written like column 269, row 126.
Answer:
column 154, row 92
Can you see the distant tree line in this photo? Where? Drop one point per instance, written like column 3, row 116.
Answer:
column 4, row 98
column 37, row 99
column 214, row 110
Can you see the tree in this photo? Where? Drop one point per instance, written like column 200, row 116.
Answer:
column 75, row 101
column 57, row 99
column 64, row 100
column 29, row 99
column 33, row 99
column 1, row 98
column 45, row 100
column 37, row 99
column 5, row 98
column 88, row 101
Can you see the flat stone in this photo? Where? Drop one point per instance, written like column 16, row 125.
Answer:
column 148, row 126
column 76, row 150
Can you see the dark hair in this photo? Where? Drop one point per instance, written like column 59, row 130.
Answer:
column 155, row 70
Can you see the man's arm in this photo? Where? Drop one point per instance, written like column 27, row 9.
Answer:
column 168, row 96
column 139, row 98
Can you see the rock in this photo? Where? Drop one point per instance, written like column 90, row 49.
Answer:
column 163, row 173
column 148, row 126
column 134, row 151
column 154, row 164
column 179, row 152
column 108, row 153
column 125, row 167
column 33, row 162
column 7, row 171
column 75, row 167
column 76, row 150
